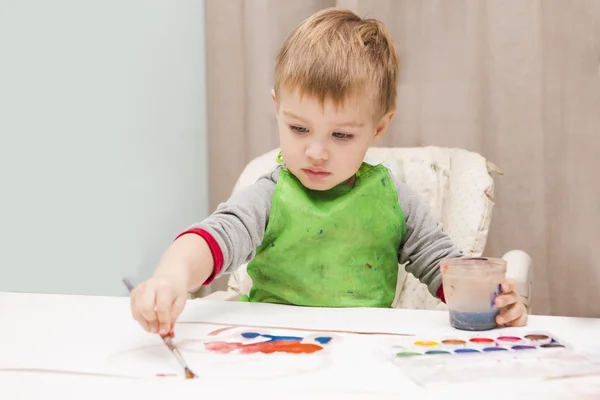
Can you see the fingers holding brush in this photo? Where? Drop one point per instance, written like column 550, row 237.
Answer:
column 156, row 304
column 137, row 316
column 178, row 306
column 164, row 303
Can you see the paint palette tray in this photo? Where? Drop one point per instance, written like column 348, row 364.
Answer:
column 487, row 357
column 477, row 344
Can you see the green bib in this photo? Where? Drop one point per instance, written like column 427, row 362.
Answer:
column 334, row 248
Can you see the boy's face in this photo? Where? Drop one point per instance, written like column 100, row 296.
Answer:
column 325, row 146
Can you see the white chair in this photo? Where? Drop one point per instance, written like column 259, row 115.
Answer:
column 457, row 185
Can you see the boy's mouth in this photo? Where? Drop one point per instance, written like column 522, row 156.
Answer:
column 316, row 173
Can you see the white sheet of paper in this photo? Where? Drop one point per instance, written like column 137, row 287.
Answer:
column 98, row 335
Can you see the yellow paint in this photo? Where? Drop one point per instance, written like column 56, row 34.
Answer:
column 426, row 343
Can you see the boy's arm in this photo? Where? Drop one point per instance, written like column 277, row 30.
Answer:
column 236, row 228
column 425, row 244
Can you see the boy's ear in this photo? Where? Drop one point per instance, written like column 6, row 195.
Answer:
column 383, row 125
column 274, row 98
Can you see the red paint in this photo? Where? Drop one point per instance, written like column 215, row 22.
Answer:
column 291, row 347
column 219, row 331
column 481, row 340
column 165, row 375
column 170, row 334
column 509, row 338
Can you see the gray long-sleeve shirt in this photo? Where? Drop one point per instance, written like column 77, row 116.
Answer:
column 239, row 224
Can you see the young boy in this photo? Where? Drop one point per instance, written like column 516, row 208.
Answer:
column 323, row 228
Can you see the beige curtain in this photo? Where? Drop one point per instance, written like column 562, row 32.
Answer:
column 515, row 80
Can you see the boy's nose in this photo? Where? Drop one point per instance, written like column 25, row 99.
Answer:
column 317, row 152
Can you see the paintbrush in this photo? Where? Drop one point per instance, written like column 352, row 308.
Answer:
column 168, row 340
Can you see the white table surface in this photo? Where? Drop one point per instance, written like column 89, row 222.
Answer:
column 40, row 330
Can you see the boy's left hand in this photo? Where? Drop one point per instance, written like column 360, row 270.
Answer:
column 513, row 311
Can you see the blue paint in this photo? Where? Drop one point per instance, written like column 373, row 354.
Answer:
column 495, row 349
column 496, row 294
column 474, row 321
column 321, row 232
column 272, row 338
column 282, row 338
column 459, row 351
column 350, row 292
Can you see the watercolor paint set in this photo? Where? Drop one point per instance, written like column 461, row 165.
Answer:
column 487, row 357
column 482, row 344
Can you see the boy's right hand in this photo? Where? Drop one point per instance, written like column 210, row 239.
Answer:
column 157, row 303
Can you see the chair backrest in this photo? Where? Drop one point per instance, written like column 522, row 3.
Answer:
column 455, row 183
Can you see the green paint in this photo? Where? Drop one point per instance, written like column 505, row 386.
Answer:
column 408, row 354
column 437, row 352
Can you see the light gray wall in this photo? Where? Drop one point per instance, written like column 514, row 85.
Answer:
column 103, row 139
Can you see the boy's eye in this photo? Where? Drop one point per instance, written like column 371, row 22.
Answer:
column 343, row 136
column 298, row 129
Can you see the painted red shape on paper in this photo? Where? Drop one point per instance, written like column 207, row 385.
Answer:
column 265, row 347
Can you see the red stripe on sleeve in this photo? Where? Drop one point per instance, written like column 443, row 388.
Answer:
column 215, row 250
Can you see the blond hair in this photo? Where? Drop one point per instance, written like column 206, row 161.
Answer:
column 335, row 54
